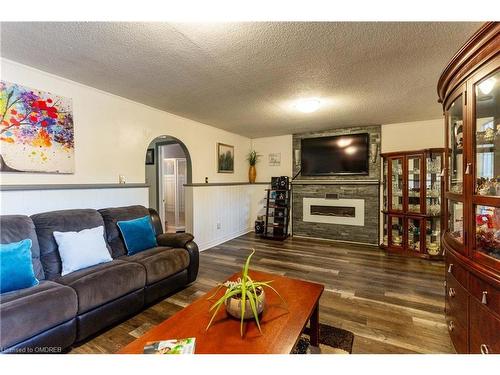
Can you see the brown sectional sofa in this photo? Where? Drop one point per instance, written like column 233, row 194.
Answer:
column 64, row 310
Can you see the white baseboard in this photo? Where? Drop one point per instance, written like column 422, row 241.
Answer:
column 217, row 241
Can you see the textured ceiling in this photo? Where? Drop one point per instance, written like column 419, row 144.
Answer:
column 244, row 77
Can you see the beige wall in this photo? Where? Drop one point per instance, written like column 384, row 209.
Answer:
column 265, row 146
column 112, row 134
column 412, row 135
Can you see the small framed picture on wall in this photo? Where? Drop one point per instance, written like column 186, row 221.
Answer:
column 225, row 158
column 275, row 159
column 150, row 156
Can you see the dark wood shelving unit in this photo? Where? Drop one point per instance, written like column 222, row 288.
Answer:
column 278, row 200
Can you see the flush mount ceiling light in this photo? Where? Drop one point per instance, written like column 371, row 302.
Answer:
column 308, row 105
column 486, row 86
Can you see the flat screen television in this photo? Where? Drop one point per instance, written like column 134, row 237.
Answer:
column 335, row 155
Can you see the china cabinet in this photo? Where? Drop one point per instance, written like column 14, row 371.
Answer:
column 412, row 199
column 469, row 89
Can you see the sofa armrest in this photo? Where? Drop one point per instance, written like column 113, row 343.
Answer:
column 183, row 240
column 174, row 239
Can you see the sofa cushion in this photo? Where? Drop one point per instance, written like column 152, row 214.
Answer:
column 114, row 214
column 28, row 312
column 104, row 283
column 82, row 249
column 62, row 221
column 160, row 262
column 16, row 228
column 138, row 234
column 16, row 267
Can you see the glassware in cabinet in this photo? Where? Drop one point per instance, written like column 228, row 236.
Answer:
column 414, row 166
column 396, row 225
column 433, row 181
column 487, row 222
column 397, row 184
column 455, row 146
column 385, row 231
column 433, row 235
column 414, row 234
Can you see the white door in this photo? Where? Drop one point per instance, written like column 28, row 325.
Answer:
column 173, row 172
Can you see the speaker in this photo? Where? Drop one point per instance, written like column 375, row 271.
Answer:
column 283, row 182
column 280, row 199
column 259, row 226
column 279, row 213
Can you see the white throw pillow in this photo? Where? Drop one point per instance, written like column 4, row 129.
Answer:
column 82, row 249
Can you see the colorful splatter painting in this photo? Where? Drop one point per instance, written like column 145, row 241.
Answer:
column 36, row 131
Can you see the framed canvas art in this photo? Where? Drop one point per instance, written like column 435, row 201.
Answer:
column 225, row 158
column 36, row 131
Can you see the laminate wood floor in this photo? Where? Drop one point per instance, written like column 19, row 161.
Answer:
column 391, row 303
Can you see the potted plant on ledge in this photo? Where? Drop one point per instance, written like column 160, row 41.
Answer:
column 243, row 298
column 253, row 158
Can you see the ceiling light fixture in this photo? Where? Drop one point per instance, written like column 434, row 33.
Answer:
column 308, row 105
column 486, row 86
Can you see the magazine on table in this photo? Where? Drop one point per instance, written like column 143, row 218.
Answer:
column 176, row 346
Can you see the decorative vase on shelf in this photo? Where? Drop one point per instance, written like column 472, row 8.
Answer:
column 252, row 174
column 252, row 158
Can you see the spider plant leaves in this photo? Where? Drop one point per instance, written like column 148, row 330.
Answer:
column 253, row 303
column 224, row 298
column 246, row 289
column 219, row 287
column 267, row 285
column 219, row 303
column 244, row 280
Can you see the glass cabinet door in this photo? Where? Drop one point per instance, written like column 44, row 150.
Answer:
column 487, row 137
column 385, row 231
column 414, row 168
column 396, row 184
column 488, row 231
column 433, row 235
column 384, row 185
column 396, row 227
column 456, row 220
column 414, row 234
column 487, row 169
column 455, row 146
column 433, row 184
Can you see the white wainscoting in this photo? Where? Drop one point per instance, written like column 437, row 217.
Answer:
column 221, row 213
column 29, row 202
column 234, row 207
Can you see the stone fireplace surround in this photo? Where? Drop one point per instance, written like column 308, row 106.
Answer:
column 338, row 191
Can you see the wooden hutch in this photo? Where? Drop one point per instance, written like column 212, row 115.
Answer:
column 412, row 200
column 469, row 89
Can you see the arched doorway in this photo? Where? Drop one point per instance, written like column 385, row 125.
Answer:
column 168, row 169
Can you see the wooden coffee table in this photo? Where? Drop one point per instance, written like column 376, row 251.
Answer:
column 281, row 327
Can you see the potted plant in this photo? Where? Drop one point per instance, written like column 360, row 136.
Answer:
column 243, row 298
column 253, row 158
